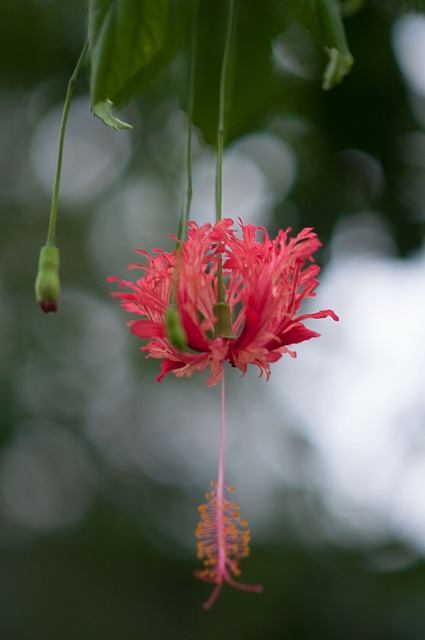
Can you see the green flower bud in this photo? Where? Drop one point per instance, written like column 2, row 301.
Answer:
column 174, row 329
column 47, row 284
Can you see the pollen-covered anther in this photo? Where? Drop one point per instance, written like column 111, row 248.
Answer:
column 223, row 540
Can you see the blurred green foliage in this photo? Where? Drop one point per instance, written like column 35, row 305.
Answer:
column 111, row 573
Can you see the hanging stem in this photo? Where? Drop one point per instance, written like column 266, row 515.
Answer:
column 51, row 232
column 174, row 329
column 222, row 111
column 191, row 81
column 47, row 283
column 223, row 325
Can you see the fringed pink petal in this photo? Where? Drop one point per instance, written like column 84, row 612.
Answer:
column 166, row 367
column 146, row 329
column 265, row 283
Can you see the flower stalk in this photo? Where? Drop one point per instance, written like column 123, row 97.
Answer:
column 174, row 328
column 223, row 319
column 224, row 81
column 184, row 217
column 47, row 286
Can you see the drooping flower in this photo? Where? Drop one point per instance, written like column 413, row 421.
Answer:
column 261, row 282
column 223, row 540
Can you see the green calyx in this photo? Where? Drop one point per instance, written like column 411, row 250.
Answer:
column 47, row 284
column 223, row 326
column 174, row 329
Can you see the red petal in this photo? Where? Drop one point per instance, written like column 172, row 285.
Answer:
column 146, row 329
column 196, row 340
column 325, row 313
column 297, row 333
column 167, row 366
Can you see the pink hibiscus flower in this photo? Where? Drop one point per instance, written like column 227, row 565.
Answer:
column 261, row 284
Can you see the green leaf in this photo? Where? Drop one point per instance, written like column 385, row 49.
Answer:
column 322, row 19
column 103, row 111
column 124, row 36
column 176, row 36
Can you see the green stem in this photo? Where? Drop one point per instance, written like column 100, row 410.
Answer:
column 220, row 137
column 223, row 325
column 174, row 329
column 51, row 232
column 191, row 81
column 222, row 111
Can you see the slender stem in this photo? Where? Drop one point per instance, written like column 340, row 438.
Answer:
column 184, row 215
column 220, row 137
column 222, row 110
column 191, row 81
column 174, row 327
column 51, row 232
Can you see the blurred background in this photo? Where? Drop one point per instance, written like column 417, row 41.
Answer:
column 102, row 468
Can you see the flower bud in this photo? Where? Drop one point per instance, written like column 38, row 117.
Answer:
column 47, row 284
column 174, row 329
